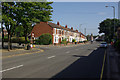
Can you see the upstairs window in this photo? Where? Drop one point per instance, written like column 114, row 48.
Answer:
column 55, row 30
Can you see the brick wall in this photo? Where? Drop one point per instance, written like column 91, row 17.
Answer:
column 42, row 28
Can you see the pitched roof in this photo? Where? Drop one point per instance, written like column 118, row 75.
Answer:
column 60, row 27
column 53, row 25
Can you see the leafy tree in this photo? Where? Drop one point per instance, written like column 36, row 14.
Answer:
column 107, row 27
column 8, row 19
column 19, row 31
column 31, row 13
column 24, row 14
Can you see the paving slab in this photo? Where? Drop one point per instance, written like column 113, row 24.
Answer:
column 113, row 69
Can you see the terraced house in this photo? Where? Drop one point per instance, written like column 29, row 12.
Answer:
column 57, row 31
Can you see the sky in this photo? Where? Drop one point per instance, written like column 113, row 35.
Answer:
column 84, row 0
column 81, row 15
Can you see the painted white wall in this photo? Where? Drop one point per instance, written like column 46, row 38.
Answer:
column 56, row 39
column 75, row 36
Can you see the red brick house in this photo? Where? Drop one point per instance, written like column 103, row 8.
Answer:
column 57, row 31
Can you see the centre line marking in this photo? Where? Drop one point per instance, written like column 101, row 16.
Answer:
column 67, row 52
column 11, row 68
column 51, row 57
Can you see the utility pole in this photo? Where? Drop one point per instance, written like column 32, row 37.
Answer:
column 80, row 27
column 113, row 17
column 85, row 31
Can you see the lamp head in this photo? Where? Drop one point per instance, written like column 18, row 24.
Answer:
column 106, row 6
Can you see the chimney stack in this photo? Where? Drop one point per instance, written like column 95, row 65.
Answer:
column 58, row 23
column 66, row 26
column 71, row 28
column 76, row 30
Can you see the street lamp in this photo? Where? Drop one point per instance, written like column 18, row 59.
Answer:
column 113, row 16
column 80, row 27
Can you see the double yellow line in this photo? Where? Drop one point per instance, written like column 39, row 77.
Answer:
column 101, row 76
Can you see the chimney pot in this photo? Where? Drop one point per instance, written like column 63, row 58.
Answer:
column 71, row 28
column 58, row 23
column 66, row 26
column 76, row 30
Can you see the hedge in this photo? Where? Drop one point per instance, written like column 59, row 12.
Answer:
column 16, row 39
column 117, row 44
column 73, row 40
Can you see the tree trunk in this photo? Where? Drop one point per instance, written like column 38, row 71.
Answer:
column 25, row 37
column 2, row 38
column 8, row 41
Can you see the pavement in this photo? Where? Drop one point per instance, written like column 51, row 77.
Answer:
column 18, row 50
column 113, row 64
column 78, row 62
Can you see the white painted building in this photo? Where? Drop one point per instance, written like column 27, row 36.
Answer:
column 58, row 32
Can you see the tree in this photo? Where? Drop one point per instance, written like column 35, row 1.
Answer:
column 107, row 27
column 19, row 31
column 8, row 19
column 31, row 13
column 25, row 14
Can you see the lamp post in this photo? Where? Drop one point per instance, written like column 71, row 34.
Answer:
column 80, row 27
column 113, row 16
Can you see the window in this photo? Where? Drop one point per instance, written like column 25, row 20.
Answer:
column 55, row 39
column 59, row 31
column 62, row 38
column 62, row 32
column 55, row 30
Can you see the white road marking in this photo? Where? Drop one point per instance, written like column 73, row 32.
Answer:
column 11, row 68
column 67, row 52
column 51, row 57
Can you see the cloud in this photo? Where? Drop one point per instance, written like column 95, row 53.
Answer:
column 101, row 13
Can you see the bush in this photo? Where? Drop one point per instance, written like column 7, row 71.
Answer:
column 5, row 39
column 85, row 41
column 19, row 40
column 36, row 42
column 73, row 40
column 117, row 44
column 45, row 39
column 80, row 41
column 64, row 41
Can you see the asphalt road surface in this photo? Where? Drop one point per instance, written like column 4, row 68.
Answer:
column 84, row 61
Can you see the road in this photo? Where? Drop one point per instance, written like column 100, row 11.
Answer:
column 83, row 61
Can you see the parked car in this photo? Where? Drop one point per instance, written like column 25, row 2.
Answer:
column 103, row 45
